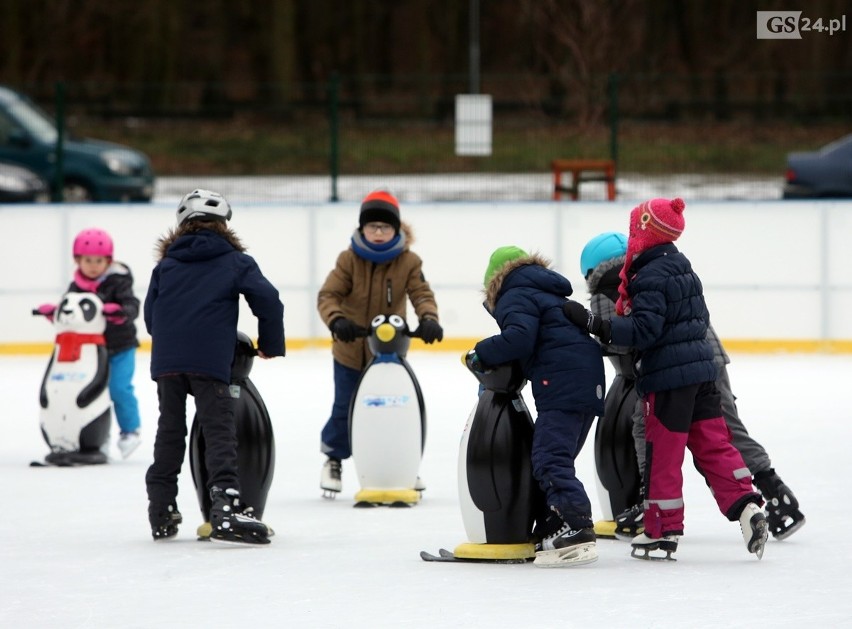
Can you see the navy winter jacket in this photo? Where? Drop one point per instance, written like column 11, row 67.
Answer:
column 563, row 364
column 192, row 306
column 668, row 322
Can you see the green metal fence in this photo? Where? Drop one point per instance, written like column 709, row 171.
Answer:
column 714, row 129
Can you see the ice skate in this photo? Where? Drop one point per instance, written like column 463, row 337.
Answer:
column 642, row 546
column 419, row 485
column 630, row 522
column 331, row 482
column 782, row 509
column 164, row 520
column 755, row 529
column 232, row 522
column 565, row 547
column 128, row 442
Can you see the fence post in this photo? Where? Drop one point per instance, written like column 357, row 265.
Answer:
column 334, row 129
column 613, row 118
column 58, row 195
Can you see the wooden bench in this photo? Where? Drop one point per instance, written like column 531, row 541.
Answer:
column 604, row 169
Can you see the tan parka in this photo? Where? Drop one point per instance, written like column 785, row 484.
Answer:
column 359, row 290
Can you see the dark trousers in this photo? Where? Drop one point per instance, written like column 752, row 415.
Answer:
column 215, row 409
column 335, row 433
column 557, row 440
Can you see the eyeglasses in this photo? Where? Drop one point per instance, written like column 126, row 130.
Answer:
column 378, row 227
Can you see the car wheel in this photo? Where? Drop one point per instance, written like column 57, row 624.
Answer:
column 75, row 192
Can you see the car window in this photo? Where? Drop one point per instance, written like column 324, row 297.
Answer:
column 34, row 121
column 6, row 126
column 841, row 147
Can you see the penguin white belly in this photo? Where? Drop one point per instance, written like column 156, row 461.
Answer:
column 386, row 428
column 62, row 419
column 473, row 518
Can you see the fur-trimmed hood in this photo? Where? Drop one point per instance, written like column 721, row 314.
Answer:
column 600, row 270
column 492, row 291
column 162, row 245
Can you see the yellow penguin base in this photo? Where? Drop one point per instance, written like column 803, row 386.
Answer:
column 494, row 552
column 388, row 496
column 204, row 531
column 605, row 529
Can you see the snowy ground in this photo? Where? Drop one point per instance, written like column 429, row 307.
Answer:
column 77, row 550
column 491, row 187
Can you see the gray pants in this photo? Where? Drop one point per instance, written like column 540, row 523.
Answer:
column 753, row 454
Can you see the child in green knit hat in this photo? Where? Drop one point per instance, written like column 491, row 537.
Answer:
column 565, row 368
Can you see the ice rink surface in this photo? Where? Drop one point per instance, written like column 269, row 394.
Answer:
column 77, row 550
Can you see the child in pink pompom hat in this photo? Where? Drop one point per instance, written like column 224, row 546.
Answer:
column 653, row 223
column 664, row 320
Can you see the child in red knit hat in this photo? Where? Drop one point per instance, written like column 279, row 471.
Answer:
column 663, row 317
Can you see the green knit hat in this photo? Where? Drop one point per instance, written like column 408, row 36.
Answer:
column 500, row 257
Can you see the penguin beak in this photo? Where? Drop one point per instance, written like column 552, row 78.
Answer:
column 385, row 332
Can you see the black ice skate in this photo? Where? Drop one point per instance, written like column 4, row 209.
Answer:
column 642, row 547
column 562, row 546
column 330, row 479
column 782, row 508
column 232, row 522
column 164, row 520
column 630, row 522
column 755, row 529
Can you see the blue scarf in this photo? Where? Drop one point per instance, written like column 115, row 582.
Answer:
column 378, row 253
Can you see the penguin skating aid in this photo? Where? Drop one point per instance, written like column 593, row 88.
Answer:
column 255, row 442
column 74, row 398
column 387, row 419
column 498, row 495
column 617, row 471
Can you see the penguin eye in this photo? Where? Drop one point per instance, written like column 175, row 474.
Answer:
column 396, row 321
column 87, row 306
column 378, row 320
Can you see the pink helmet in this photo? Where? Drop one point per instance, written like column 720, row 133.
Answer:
column 93, row 242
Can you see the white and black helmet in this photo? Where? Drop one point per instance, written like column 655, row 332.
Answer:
column 204, row 205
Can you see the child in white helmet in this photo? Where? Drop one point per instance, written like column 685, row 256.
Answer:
column 191, row 311
column 97, row 272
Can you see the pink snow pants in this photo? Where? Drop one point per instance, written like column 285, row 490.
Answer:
column 689, row 417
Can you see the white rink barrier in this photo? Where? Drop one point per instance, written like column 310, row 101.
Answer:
column 773, row 271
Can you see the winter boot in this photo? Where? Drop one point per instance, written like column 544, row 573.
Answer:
column 630, row 522
column 642, row 545
column 782, row 508
column 562, row 546
column 128, row 442
column 231, row 521
column 164, row 520
column 755, row 529
column 330, row 479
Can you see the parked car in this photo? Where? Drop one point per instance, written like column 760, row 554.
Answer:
column 21, row 185
column 820, row 174
column 92, row 170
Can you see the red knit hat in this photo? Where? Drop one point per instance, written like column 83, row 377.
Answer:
column 652, row 223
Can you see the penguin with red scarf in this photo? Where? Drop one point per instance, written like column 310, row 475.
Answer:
column 74, row 397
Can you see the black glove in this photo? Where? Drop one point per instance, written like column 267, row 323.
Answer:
column 345, row 330
column 472, row 362
column 430, row 331
column 585, row 320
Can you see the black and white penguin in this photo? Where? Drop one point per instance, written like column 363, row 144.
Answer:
column 255, row 440
column 618, row 479
column 74, row 398
column 387, row 419
column 498, row 495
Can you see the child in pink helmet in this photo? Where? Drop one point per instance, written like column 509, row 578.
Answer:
column 112, row 281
